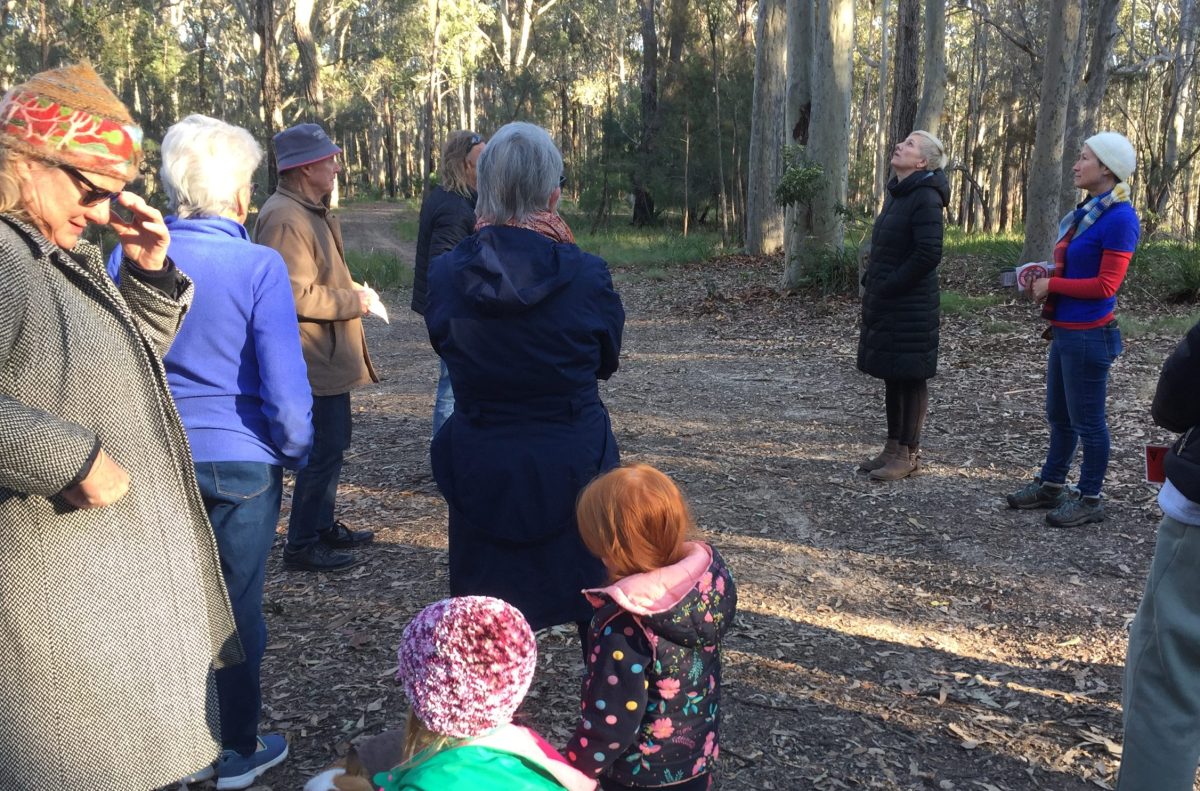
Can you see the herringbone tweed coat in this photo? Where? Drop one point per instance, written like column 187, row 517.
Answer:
column 111, row 619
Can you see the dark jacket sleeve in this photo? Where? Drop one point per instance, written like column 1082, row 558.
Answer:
column 927, row 231
column 453, row 223
column 1176, row 406
column 612, row 325
column 614, row 698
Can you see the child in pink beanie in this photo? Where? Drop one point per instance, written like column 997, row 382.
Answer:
column 466, row 664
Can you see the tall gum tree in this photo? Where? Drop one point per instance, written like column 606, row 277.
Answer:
column 768, row 132
column 1045, row 166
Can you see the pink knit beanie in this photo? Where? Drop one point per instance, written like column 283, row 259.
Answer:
column 466, row 664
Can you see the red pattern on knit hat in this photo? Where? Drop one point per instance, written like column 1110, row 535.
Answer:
column 466, row 664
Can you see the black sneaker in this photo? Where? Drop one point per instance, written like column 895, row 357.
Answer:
column 340, row 536
column 1036, row 494
column 1077, row 511
column 317, row 557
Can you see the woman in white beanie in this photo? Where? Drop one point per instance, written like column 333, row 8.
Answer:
column 1096, row 242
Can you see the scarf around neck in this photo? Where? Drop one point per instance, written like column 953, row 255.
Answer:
column 1077, row 221
column 547, row 223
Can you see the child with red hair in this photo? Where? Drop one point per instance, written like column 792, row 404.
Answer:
column 651, row 692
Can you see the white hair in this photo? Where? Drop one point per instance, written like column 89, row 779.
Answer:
column 931, row 150
column 205, row 162
column 518, row 171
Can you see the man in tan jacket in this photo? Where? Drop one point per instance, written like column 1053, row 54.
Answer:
column 297, row 222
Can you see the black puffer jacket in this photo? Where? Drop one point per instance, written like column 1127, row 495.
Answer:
column 446, row 219
column 1176, row 408
column 900, row 316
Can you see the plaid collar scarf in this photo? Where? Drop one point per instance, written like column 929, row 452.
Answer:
column 1077, row 221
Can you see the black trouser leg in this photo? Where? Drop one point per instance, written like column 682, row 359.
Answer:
column 893, row 406
column 914, row 405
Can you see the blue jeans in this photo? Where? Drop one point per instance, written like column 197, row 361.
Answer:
column 1161, row 697
column 1076, row 389
column 242, row 499
column 315, row 493
column 443, row 404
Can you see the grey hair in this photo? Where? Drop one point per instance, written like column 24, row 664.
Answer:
column 932, row 150
column 205, row 162
column 518, row 171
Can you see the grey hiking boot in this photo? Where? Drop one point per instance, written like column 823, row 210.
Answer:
column 1076, row 511
column 1036, row 494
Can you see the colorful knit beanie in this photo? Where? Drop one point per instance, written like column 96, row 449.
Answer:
column 68, row 116
column 466, row 664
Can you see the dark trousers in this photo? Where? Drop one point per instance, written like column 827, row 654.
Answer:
column 906, row 401
column 316, row 485
column 242, row 499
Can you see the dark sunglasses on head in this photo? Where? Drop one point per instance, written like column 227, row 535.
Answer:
column 474, row 140
column 562, row 181
column 92, row 194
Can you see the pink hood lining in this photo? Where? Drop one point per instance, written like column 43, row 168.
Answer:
column 527, row 744
column 658, row 591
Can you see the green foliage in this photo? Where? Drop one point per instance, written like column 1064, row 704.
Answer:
column 958, row 304
column 999, row 251
column 801, row 179
column 380, row 270
column 648, row 249
column 1170, row 270
column 1133, row 327
column 830, row 270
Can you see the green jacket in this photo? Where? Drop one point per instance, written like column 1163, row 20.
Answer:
column 468, row 768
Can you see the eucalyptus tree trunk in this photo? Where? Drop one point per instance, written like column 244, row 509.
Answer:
column 310, row 56
column 270, row 83
column 643, row 201
column 1045, row 166
column 933, row 88
column 829, row 134
column 801, row 42
column 904, row 82
column 881, row 147
column 768, row 130
column 1178, row 105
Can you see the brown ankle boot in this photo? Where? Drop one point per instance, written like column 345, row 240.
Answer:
column 901, row 465
column 889, row 449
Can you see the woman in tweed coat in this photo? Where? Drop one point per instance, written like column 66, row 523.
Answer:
column 113, row 615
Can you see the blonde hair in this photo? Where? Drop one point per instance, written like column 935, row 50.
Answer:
column 10, row 188
column 932, row 150
column 634, row 518
column 455, row 151
column 422, row 742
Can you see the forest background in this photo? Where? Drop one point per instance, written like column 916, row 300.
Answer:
column 688, row 114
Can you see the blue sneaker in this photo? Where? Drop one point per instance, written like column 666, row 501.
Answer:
column 236, row 771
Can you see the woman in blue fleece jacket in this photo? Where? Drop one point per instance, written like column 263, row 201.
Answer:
column 239, row 381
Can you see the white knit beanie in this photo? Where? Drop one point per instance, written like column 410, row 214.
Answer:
column 1115, row 151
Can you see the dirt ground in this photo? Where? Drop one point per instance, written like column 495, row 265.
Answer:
column 914, row 635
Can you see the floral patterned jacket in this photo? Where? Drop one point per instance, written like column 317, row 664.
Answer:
column 651, row 695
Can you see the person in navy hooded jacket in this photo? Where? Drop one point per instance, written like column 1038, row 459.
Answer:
column 238, row 378
column 526, row 323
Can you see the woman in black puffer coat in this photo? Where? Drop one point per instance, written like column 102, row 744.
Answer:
column 900, row 317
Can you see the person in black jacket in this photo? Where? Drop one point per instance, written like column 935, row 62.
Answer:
column 1161, row 698
column 447, row 217
column 901, row 304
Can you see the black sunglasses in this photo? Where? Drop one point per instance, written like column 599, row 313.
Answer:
column 562, row 181
column 92, row 194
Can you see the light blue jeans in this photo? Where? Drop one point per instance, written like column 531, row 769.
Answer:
column 443, row 404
